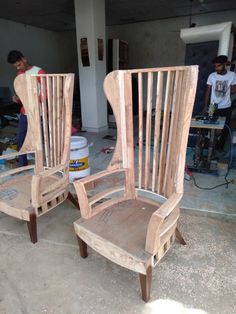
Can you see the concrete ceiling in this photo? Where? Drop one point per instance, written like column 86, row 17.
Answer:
column 58, row 15
column 55, row 15
column 129, row 11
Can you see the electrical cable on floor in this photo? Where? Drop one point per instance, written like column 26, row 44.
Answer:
column 227, row 173
column 210, row 188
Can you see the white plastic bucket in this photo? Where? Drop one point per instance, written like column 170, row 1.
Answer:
column 79, row 158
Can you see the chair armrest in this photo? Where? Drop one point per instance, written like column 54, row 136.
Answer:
column 99, row 175
column 12, row 155
column 39, row 189
column 156, row 220
column 80, row 187
column 167, row 207
column 50, row 171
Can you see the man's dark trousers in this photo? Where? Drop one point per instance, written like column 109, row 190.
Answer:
column 21, row 134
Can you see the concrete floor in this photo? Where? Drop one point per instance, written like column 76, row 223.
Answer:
column 50, row 277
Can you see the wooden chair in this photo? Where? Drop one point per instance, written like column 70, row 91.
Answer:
column 31, row 191
column 133, row 220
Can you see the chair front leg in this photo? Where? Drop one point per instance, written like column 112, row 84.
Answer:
column 82, row 247
column 145, row 282
column 73, row 200
column 32, row 227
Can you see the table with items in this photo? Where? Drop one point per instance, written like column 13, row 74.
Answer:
column 206, row 137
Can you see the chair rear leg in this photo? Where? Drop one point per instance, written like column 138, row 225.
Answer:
column 72, row 199
column 179, row 237
column 145, row 282
column 32, row 227
column 82, row 248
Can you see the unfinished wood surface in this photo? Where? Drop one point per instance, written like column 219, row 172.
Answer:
column 44, row 111
column 165, row 131
column 122, row 221
column 140, row 137
column 148, row 129
column 169, row 172
column 50, row 118
column 97, row 197
column 157, row 130
column 136, row 230
column 128, row 144
column 16, row 171
column 26, row 195
column 146, row 281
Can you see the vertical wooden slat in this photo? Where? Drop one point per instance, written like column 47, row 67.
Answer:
column 189, row 84
column 168, row 178
column 165, row 131
column 157, row 128
column 68, row 99
column 63, row 116
column 121, row 99
column 181, row 112
column 129, row 149
column 45, row 119
column 33, row 94
column 58, row 121
column 148, row 129
column 140, row 104
column 50, row 119
column 54, row 110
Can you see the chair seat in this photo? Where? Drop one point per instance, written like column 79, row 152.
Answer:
column 15, row 195
column 123, row 225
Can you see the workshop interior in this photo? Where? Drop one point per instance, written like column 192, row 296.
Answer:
column 117, row 169
column 203, row 155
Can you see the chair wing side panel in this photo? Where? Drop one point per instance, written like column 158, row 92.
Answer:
column 112, row 85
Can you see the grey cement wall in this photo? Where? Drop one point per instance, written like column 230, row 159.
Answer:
column 54, row 51
column 158, row 43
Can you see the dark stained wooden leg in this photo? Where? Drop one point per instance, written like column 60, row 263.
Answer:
column 72, row 199
column 82, row 248
column 32, row 227
column 145, row 282
column 179, row 237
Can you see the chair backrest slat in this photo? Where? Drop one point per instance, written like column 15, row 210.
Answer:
column 157, row 129
column 140, row 137
column 148, row 129
column 50, row 118
column 54, row 117
column 172, row 134
column 165, row 131
column 44, row 111
column 165, row 101
column 48, row 104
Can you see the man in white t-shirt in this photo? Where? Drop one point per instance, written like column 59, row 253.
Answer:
column 220, row 85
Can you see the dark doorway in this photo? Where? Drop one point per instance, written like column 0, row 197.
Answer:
column 202, row 55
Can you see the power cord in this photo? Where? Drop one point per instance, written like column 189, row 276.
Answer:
column 227, row 173
column 209, row 188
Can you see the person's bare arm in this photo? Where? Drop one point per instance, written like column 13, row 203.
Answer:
column 233, row 89
column 15, row 99
column 207, row 97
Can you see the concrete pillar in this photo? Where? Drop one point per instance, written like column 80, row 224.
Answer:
column 90, row 24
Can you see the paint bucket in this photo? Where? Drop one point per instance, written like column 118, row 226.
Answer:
column 79, row 158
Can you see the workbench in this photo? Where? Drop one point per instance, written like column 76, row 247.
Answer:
column 210, row 127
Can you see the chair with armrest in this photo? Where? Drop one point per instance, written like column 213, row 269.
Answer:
column 31, row 191
column 133, row 220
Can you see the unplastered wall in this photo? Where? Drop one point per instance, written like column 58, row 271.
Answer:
column 53, row 51
column 158, row 43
